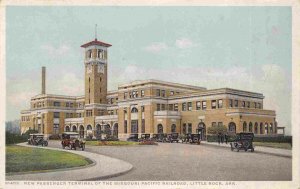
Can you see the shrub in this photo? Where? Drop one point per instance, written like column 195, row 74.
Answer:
column 147, row 142
column 216, row 129
column 54, row 137
column 11, row 138
column 279, row 139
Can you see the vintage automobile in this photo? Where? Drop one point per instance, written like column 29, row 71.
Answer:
column 72, row 140
column 186, row 138
column 174, row 137
column 144, row 137
column 161, row 137
column 154, row 137
column 243, row 141
column 37, row 139
column 133, row 137
column 195, row 138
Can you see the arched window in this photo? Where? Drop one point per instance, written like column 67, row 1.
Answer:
column 89, row 127
column 107, row 129
column 232, row 127
column 134, row 110
column 250, row 127
column 98, row 130
column 173, row 128
column 74, row 128
column 160, row 128
column 256, row 128
column 81, row 131
column 67, row 128
column 244, row 126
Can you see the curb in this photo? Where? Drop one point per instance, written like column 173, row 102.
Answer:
column 258, row 151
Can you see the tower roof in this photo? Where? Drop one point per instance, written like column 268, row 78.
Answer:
column 96, row 42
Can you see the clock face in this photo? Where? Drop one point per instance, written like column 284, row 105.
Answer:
column 100, row 68
column 89, row 69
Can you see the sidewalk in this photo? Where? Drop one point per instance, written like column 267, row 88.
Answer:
column 102, row 168
column 257, row 149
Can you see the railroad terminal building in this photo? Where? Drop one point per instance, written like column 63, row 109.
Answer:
column 147, row 106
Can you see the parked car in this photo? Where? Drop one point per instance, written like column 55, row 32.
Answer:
column 144, row 137
column 243, row 141
column 186, row 138
column 161, row 137
column 154, row 137
column 37, row 139
column 174, row 137
column 72, row 140
column 133, row 137
column 195, row 138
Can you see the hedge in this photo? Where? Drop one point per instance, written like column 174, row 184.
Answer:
column 11, row 138
column 279, row 139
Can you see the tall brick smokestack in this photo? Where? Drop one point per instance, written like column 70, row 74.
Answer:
column 43, row 80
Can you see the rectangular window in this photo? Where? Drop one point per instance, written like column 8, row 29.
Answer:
column 163, row 93
column 67, row 104
column 55, row 128
column 214, row 124
column 189, row 128
column 176, row 107
column 255, row 105
column 135, row 94
column 259, row 105
column 213, row 104
column 184, row 106
column 220, row 103
column 125, row 126
column 243, row 104
column 220, row 124
column 236, row 103
column 171, row 107
column 230, row 103
column 157, row 107
column 142, row 93
column 171, row 93
column 248, row 104
column 56, row 103
column 157, row 92
column 198, row 105
column 143, row 126
column 56, row 115
column 189, row 106
column 163, row 107
column 143, row 108
column 125, row 95
column 78, row 115
column 203, row 105
column 89, row 113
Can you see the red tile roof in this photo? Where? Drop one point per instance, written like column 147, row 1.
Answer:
column 95, row 42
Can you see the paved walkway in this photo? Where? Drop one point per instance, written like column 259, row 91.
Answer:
column 258, row 149
column 104, row 167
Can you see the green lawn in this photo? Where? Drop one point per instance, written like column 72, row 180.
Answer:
column 274, row 145
column 24, row 159
column 111, row 143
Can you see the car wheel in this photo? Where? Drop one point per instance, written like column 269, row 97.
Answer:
column 83, row 146
column 252, row 150
column 46, row 143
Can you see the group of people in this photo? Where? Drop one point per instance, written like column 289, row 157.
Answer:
column 222, row 138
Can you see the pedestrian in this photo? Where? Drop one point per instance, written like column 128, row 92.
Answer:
column 219, row 138
column 226, row 138
column 222, row 138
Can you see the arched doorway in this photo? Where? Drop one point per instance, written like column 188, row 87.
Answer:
column 250, row 127
column 261, row 130
column 160, row 128
column 256, row 128
column 74, row 128
column 202, row 130
column 173, row 128
column 266, row 128
column 89, row 131
column 115, row 130
column 107, row 129
column 67, row 129
column 244, row 126
column 81, row 131
column 232, row 127
column 98, row 131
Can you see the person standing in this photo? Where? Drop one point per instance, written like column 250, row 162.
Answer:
column 219, row 138
column 222, row 138
column 226, row 138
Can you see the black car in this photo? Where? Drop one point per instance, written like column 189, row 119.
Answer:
column 173, row 137
column 37, row 139
column 133, row 137
column 195, row 138
column 145, row 137
column 243, row 141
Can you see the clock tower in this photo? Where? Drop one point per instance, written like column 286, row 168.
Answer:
column 95, row 62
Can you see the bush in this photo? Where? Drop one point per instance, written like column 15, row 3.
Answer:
column 216, row 129
column 54, row 137
column 147, row 142
column 279, row 139
column 14, row 138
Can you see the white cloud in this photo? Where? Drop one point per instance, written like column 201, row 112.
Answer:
column 69, row 84
column 184, row 43
column 156, row 47
column 59, row 51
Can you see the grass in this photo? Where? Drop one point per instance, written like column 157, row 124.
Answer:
column 274, row 145
column 26, row 159
column 111, row 143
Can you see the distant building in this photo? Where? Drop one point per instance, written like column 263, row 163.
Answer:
column 149, row 106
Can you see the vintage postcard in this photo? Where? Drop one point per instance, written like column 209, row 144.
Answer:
column 171, row 94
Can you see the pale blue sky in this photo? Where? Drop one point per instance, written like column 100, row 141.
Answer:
column 247, row 48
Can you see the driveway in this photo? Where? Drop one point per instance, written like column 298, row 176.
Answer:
column 187, row 162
